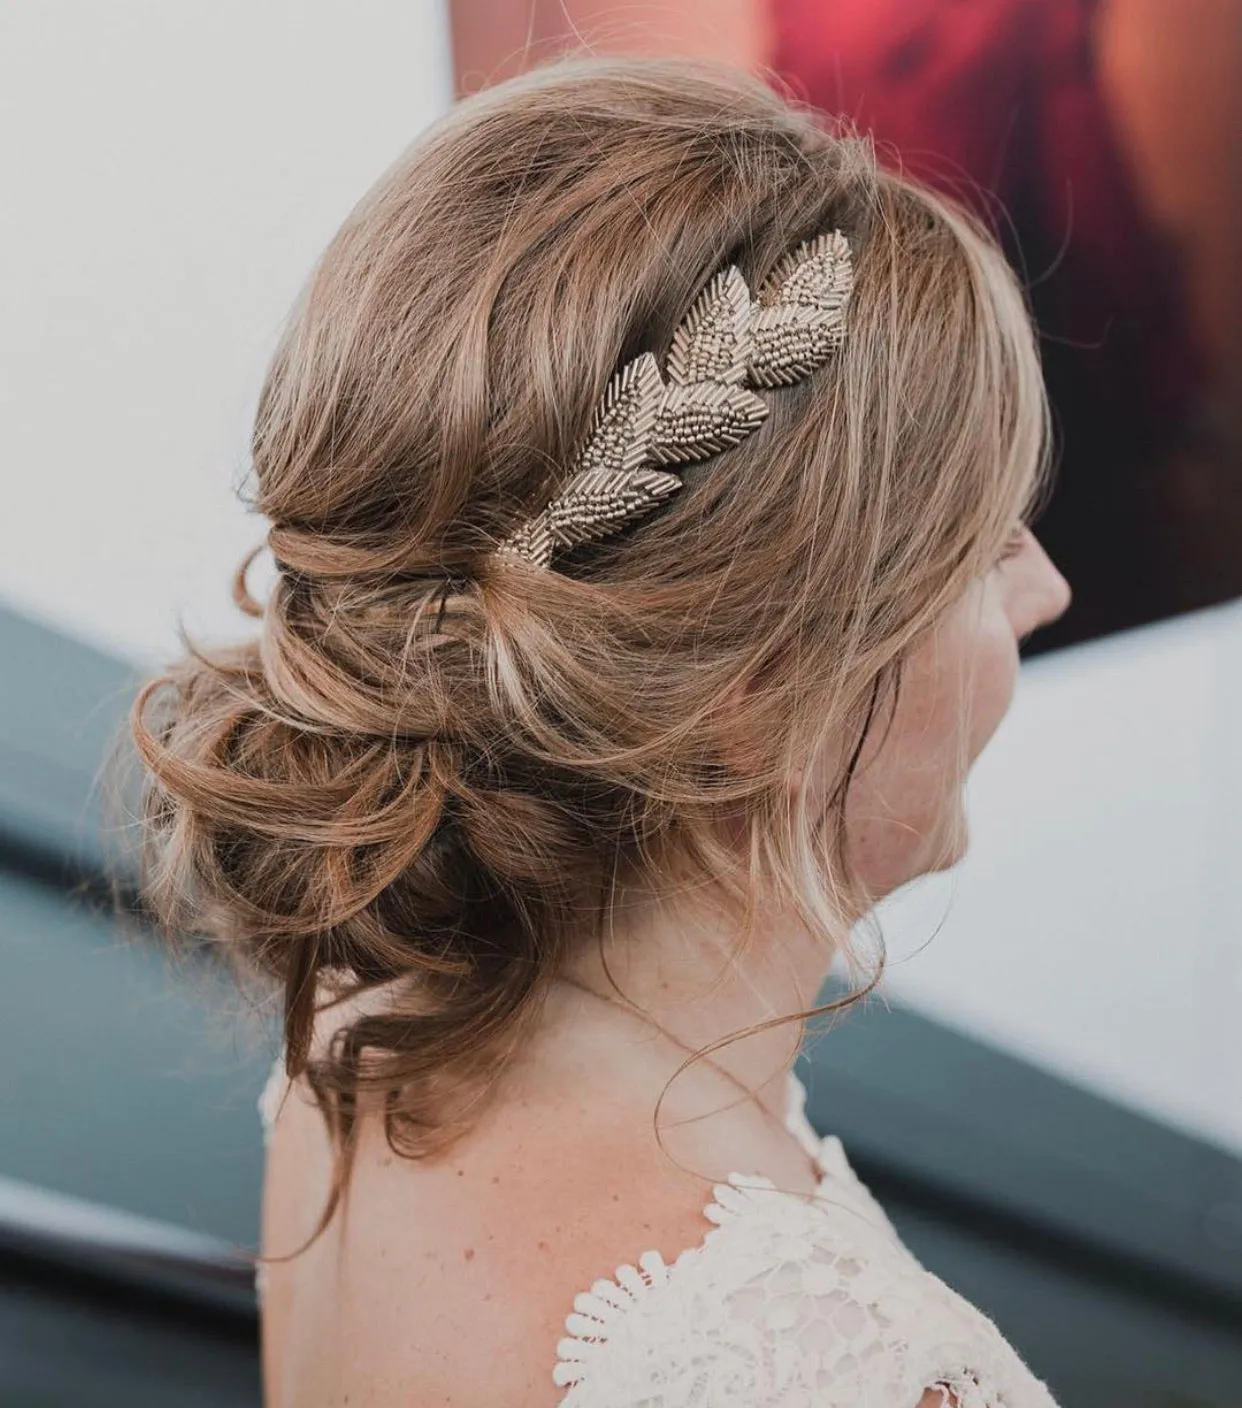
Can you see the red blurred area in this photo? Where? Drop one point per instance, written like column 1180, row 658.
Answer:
column 1100, row 139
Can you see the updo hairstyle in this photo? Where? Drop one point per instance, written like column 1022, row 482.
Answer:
column 434, row 771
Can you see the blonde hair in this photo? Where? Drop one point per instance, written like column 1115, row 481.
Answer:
column 432, row 773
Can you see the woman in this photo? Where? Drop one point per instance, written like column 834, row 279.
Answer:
column 648, row 478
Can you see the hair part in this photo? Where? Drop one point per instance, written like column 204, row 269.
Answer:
column 432, row 774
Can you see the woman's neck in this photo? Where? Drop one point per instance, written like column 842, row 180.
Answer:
column 678, row 971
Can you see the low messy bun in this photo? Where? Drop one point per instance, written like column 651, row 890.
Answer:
column 433, row 773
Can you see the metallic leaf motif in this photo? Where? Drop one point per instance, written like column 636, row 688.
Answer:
column 790, row 342
column 800, row 318
column 698, row 421
column 818, row 274
column 531, row 543
column 598, row 500
column 725, row 348
column 712, row 343
column 622, row 426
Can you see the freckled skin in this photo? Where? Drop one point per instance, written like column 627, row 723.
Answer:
column 904, row 816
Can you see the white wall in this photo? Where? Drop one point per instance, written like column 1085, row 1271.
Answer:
column 170, row 173
column 172, row 170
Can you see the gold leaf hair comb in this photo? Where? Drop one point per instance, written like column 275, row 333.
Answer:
column 704, row 402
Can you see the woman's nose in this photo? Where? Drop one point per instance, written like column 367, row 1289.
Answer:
column 1059, row 594
column 1041, row 593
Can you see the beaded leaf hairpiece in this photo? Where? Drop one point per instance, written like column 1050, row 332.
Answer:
column 704, row 402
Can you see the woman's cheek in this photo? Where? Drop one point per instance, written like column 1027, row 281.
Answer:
column 995, row 680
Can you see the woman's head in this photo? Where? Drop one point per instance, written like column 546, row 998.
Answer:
column 434, row 772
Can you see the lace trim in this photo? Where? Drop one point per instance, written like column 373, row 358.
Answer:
column 893, row 1329
column 922, row 1335
column 784, row 1302
column 599, row 1312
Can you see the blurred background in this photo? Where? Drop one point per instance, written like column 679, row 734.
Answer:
column 1049, row 1098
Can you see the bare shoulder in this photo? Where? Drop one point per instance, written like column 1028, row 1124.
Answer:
column 451, row 1281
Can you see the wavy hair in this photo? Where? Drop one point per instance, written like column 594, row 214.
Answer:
column 430, row 772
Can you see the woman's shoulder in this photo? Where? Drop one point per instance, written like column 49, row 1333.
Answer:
column 557, row 1258
column 766, row 1282
column 473, row 1261
column 787, row 1298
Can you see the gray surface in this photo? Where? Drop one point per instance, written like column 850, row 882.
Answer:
column 124, row 1080
column 61, row 705
column 1097, row 1344
column 953, row 1112
column 64, row 1353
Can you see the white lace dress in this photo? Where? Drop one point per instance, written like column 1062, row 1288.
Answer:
column 785, row 1303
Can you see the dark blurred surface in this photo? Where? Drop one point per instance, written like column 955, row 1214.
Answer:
column 66, row 1346
column 1099, row 1338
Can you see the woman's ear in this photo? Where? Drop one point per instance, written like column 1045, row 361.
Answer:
column 741, row 751
column 746, row 737
column 795, row 783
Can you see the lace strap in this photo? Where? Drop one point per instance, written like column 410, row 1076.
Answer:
column 783, row 1302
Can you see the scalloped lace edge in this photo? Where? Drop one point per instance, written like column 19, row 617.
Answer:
column 597, row 1311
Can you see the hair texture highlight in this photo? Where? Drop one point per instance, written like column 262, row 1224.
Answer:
column 432, row 771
